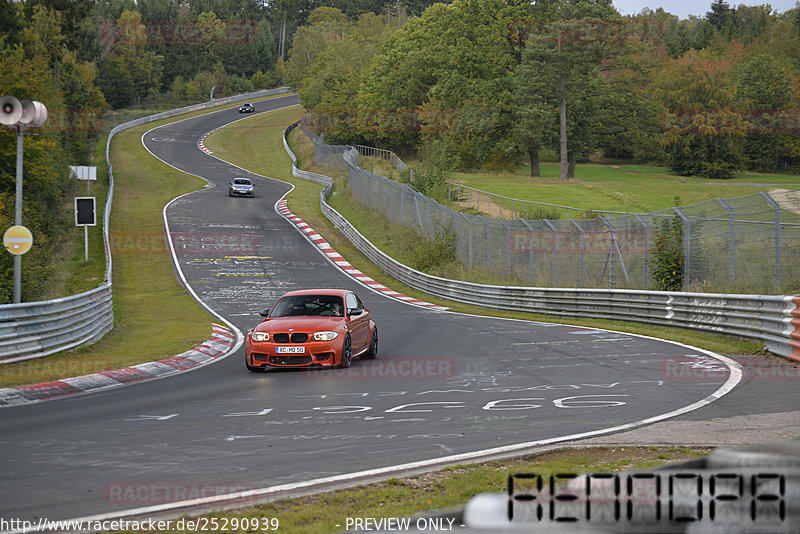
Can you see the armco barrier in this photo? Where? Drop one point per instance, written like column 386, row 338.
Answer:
column 37, row 329
column 771, row 320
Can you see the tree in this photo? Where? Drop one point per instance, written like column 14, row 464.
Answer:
column 446, row 76
column 535, row 106
column 326, row 25
column 10, row 14
column 130, row 70
column 28, row 74
column 764, row 90
column 721, row 16
column 704, row 133
column 565, row 56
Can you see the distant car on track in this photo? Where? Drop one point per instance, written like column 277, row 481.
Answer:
column 312, row 328
column 242, row 187
column 247, row 108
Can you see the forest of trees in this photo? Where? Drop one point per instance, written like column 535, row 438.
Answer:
column 477, row 83
column 84, row 58
column 490, row 82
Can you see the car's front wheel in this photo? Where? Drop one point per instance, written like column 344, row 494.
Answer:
column 347, row 352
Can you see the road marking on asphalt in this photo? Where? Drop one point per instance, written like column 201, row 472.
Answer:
column 243, row 274
column 153, row 417
column 265, row 411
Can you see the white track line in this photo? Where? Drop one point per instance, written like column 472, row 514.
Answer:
column 734, row 378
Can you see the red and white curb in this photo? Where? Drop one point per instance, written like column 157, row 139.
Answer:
column 343, row 264
column 222, row 339
column 201, row 143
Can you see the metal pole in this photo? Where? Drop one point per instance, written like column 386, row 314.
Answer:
column 687, row 242
column 86, row 243
column 581, row 248
column 731, row 241
column 646, row 283
column 777, row 224
column 17, row 291
column 555, row 251
column 530, row 247
column 469, row 234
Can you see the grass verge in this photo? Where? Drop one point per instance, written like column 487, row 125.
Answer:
column 256, row 145
column 624, row 187
column 154, row 316
column 447, row 488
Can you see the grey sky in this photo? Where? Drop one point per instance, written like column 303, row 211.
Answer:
column 684, row 8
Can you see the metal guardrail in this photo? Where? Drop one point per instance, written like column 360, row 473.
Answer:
column 36, row 329
column 721, row 242
column 771, row 320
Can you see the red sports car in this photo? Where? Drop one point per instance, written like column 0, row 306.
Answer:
column 312, row 328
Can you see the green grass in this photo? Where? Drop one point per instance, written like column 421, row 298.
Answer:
column 448, row 488
column 75, row 274
column 624, row 187
column 154, row 316
column 256, row 145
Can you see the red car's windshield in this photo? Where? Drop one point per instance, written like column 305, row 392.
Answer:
column 316, row 305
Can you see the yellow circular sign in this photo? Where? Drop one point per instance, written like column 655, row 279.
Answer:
column 18, row 240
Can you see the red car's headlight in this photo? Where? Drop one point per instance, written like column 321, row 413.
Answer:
column 259, row 336
column 324, row 336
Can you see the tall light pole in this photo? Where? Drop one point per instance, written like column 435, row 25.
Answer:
column 19, row 116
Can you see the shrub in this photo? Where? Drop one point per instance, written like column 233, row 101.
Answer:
column 667, row 260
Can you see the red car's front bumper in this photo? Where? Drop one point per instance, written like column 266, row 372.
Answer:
column 316, row 354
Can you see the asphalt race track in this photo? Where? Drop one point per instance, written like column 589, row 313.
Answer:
column 443, row 384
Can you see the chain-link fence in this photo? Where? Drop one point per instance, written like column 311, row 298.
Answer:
column 745, row 244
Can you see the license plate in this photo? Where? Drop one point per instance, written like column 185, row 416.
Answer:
column 290, row 350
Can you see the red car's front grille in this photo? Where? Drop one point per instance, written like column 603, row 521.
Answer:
column 296, row 337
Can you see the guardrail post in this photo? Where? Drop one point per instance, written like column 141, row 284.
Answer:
column 488, row 242
column 614, row 248
column 731, row 241
column 646, row 250
column 419, row 215
column 687, row 246
column 530, row 247
column 555, row 251
column 777, row 221
column 508, row 247
column 581, row 258
column 402, row 201
column 469, row 238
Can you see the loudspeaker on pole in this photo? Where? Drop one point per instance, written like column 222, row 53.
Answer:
column 34, row 113
column 11, row 110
